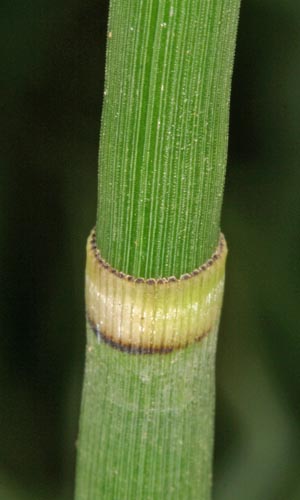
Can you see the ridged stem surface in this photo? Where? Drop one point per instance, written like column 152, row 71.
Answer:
column 147, row 424
column 164, row 133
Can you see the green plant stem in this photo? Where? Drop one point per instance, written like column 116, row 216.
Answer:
column 164, row 133
column 146, row 425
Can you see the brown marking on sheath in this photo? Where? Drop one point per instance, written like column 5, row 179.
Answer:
column 134, row 349
column 202, row 335
column 150, row 281
column 185, row 276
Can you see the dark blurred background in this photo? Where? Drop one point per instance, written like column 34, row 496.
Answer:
column 51, row 89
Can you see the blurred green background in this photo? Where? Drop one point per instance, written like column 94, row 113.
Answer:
column 51, row 89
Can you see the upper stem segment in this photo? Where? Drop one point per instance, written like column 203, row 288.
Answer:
column 164, row 133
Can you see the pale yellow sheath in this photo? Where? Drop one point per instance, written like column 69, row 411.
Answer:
column 153, row 315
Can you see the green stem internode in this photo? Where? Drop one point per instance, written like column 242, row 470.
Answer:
column 147, row 423
column 164, row 133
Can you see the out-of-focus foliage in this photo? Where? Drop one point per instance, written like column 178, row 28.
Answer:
column 51, row 87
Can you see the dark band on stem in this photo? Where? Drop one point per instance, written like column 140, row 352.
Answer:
column 132, row 349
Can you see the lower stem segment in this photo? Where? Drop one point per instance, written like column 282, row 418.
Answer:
column 146, row 429
column 146, row 426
